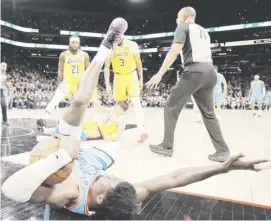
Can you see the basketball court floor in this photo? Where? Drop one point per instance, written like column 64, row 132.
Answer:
column 237, row 195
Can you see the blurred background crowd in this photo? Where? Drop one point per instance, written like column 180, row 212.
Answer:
column 32, row 72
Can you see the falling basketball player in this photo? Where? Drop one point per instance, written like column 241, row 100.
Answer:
column 72, row 64
column 88, row 188
column 128, row 78
column 109, row 127
column 256, row 94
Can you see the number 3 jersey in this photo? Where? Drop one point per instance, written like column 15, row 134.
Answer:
column 74, row 67
column 122, row 57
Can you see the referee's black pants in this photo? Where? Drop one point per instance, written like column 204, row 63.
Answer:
column 199, row 80
column 3, row 106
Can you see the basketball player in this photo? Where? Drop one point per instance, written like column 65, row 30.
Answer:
column 3, row 85
column 109, row 128
column 256, row 94
column 268, row 99
column 128, row 78
column 219, row 93
column 198, row 79
column 88, row 187
column 72, row 63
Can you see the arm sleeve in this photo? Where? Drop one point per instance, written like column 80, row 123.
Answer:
column 180, row 33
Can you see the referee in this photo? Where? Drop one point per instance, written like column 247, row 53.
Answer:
column 198, row 79
column 3, row 84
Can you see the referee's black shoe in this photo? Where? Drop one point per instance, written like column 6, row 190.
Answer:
column 161, row 150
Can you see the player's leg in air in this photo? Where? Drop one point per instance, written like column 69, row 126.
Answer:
column 70, row 127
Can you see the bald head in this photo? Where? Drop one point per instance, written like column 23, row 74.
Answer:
column 189, row 11
column 186, row 14
column 256, row 77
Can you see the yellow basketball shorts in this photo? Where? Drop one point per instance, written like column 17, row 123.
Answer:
column 126, row 84
column 72, row 90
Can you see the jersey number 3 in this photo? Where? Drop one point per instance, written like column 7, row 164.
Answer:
column 75, row 69
column 121, row 62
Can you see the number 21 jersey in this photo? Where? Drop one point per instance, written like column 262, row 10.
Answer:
column 74, row 67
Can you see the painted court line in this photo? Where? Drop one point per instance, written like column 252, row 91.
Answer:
column 19, row 159
column 30, row 131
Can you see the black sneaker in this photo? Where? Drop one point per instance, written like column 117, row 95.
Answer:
column 161, row 150
column 115, row 32
column 219, row 157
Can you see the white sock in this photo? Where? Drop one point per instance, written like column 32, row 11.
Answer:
column 139, row 113
column 102, row 54
column 58, row 96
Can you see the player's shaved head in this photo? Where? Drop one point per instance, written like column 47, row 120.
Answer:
column 186, row 14
column 256, row 77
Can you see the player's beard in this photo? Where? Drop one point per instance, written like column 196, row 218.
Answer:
column 74, row 50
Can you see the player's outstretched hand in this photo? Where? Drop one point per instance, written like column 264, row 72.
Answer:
column 235, row 162
column 154, row 81
column 70, row 145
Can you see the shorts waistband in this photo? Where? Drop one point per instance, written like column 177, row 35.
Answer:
column 125, row 73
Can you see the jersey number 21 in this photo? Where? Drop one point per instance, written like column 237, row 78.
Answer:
column 75, row 69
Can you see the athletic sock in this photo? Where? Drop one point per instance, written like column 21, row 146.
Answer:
column 58, row 96
column 139, row 113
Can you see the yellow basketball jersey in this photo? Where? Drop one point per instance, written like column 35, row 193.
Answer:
column 74, row 67
column 92, row 130
column 95, row 130
column 122, row 58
